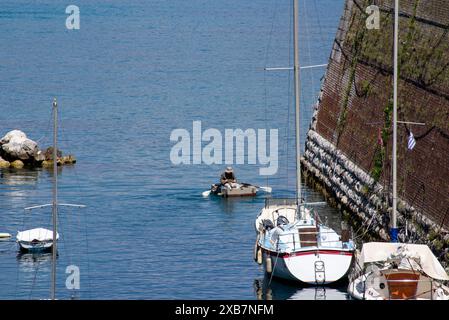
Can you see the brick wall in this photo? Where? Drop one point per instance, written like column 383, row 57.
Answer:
column 350, row 114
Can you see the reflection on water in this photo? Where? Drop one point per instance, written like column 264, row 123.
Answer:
column 17, row 182
column 31, row 262
column 138, row 202
column 278, row 289
column 33, row 280
column 19, row 177
column 26, row 176
column 230, row 205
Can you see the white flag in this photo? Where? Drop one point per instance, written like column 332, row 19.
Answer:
column 411, row 141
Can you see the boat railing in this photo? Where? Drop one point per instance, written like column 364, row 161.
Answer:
column 290, row 240
column 280, row 202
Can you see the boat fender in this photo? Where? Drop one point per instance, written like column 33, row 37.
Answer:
column 259, row 256
column 269, row 294
column 268, row 265
column 256, row 247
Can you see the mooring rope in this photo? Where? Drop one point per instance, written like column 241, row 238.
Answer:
column 274, row 267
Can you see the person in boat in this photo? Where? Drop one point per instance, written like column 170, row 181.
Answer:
column 228, row 179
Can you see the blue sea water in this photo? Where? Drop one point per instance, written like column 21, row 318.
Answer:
column 135, row 71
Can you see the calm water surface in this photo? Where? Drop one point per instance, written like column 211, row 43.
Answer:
column 135, row 71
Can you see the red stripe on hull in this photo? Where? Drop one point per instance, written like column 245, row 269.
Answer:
column 313, row 251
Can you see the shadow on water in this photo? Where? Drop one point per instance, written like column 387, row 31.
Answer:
column 232, row 205
column 279, row 289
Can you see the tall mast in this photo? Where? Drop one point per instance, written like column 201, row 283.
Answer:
column 394, row 228
column 297, row 96
column 55, row 198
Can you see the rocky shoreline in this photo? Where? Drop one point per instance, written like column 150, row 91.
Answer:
column 18, row 151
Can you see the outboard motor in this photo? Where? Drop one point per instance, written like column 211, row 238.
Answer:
column 215, row 188
column 267, row 224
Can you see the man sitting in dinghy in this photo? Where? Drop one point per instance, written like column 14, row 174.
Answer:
column 228, row 185
column 227, row 178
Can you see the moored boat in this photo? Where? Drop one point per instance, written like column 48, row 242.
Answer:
column 39, row 240
column 302, row 250
column 398, row 271
column 36, row 240
column 292, row 243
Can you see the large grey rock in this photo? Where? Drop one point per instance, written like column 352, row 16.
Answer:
column 16, row 146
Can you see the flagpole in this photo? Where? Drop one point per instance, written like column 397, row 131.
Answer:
column 394, row 227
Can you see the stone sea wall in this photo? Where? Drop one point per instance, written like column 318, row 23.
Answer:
column 348, row 147
column 355, row 192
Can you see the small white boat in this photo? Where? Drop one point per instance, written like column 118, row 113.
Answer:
column 236, row 190
column 38, row 239
column 300, row 249
column 398, row 271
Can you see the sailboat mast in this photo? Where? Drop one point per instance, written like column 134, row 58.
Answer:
column 55, row 199
column 394, row 229
column 297, row 99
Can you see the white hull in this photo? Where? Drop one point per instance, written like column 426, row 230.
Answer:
column 35, row 240
column 35, row 247
column 299, row 249
column 310, row 266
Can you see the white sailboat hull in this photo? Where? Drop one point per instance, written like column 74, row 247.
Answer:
column 312, row 266
column 36, row 240
column 35, row 247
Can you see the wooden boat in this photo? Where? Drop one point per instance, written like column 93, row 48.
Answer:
column 236, row 190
